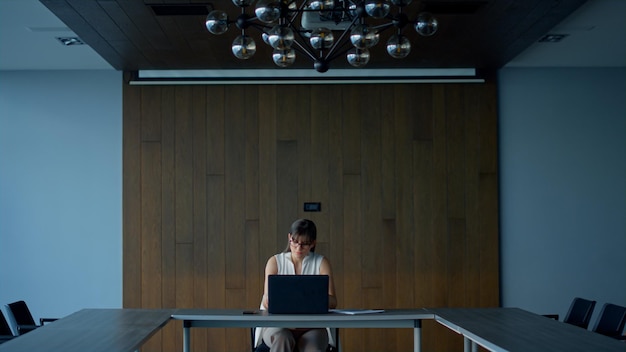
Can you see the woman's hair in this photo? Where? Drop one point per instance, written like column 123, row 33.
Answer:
column 304, row 228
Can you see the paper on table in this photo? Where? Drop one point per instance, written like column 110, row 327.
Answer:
column 357, row 311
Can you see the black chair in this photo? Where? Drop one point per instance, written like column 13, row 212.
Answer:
column 5, row 330
column 611, row 321
column 579, row 313
column 262, row 347
column 23, row 321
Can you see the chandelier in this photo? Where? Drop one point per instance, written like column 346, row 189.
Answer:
column 322, row 30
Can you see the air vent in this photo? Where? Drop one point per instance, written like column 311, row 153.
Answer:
column 182, row 9
column 452, row 7
column 552, row 38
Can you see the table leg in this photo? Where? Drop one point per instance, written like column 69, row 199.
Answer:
column 417, row 336
column 186, row 336
column 469, row 345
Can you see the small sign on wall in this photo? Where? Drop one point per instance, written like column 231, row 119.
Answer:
column 312, row 206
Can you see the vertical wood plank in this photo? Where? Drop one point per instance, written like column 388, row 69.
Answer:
column 455, row 188
column 352, row 284
column 171, row 336
column 267, row 174
column 216, row 254
column 151, row 225
column 200, row 258
column 131, row 196
column 150, row 114
column 371, row 256
column 405, row 240
column 215, row 130
column 287, row 193
column 184, row 165
column 439, row 217
column 335, row 206
column 234, row 196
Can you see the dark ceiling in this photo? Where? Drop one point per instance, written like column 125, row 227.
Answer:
column 170, row 34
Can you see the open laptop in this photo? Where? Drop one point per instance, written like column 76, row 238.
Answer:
column 297, row 294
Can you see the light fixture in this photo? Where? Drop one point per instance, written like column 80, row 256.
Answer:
column 322, row 30
column 67, row 41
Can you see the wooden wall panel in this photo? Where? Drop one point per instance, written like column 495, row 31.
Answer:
column 406, row 174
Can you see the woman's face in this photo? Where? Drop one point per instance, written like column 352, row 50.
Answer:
column 300, row 245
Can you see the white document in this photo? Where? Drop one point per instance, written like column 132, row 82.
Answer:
column 357, row 311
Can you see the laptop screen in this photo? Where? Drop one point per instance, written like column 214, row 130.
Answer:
column 297, row 294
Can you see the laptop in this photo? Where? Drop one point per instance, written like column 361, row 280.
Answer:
column 297, row 294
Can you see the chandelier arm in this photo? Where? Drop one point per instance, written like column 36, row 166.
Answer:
column 343, row 51
column 382, row 27
column 301, row 48
column 292, row 15
column 343, row 35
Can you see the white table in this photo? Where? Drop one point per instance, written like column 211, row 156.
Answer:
column 224, row 318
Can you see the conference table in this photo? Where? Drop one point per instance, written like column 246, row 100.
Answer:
column 514, row 329
column 93, row 330
column 214, row 318
column 495, row 329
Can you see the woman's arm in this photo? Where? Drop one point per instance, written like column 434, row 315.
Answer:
column 271, row 268
column 326, row 269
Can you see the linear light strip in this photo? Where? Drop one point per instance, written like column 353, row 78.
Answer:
column 304, row 81
column 305, row 73
column 361, row 76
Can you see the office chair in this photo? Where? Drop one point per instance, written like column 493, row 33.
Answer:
column 21, row 319
column 611, row 321
column 333, row 346
column 5, row 330
column 579, row 313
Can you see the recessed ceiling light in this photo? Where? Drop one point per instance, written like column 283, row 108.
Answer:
column 552, row 38
column 70, row 41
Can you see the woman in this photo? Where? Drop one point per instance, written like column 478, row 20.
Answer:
column 299, row 258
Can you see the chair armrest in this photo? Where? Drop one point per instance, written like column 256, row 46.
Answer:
column 22, row 329
column 551, row 316
column 47, row 320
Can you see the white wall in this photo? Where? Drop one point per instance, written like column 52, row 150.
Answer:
column 60, row 190
column 562, row 187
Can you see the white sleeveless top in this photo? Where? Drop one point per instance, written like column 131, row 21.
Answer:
column 310, row 265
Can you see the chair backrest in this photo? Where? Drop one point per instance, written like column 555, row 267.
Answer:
column 611, row 320
column 580, row 312
column 21, row 313
column 5, row 329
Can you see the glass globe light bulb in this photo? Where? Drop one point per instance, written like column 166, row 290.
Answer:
column 284, row 58
column 398, row 46
column 322, row 38
column 280, row 37
column 362, row 36
column 319, row 5
column 358, row 57
column 217, row 22
column 426, row 24
column 377, row 8
column 243, row 47
column 268, row 11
